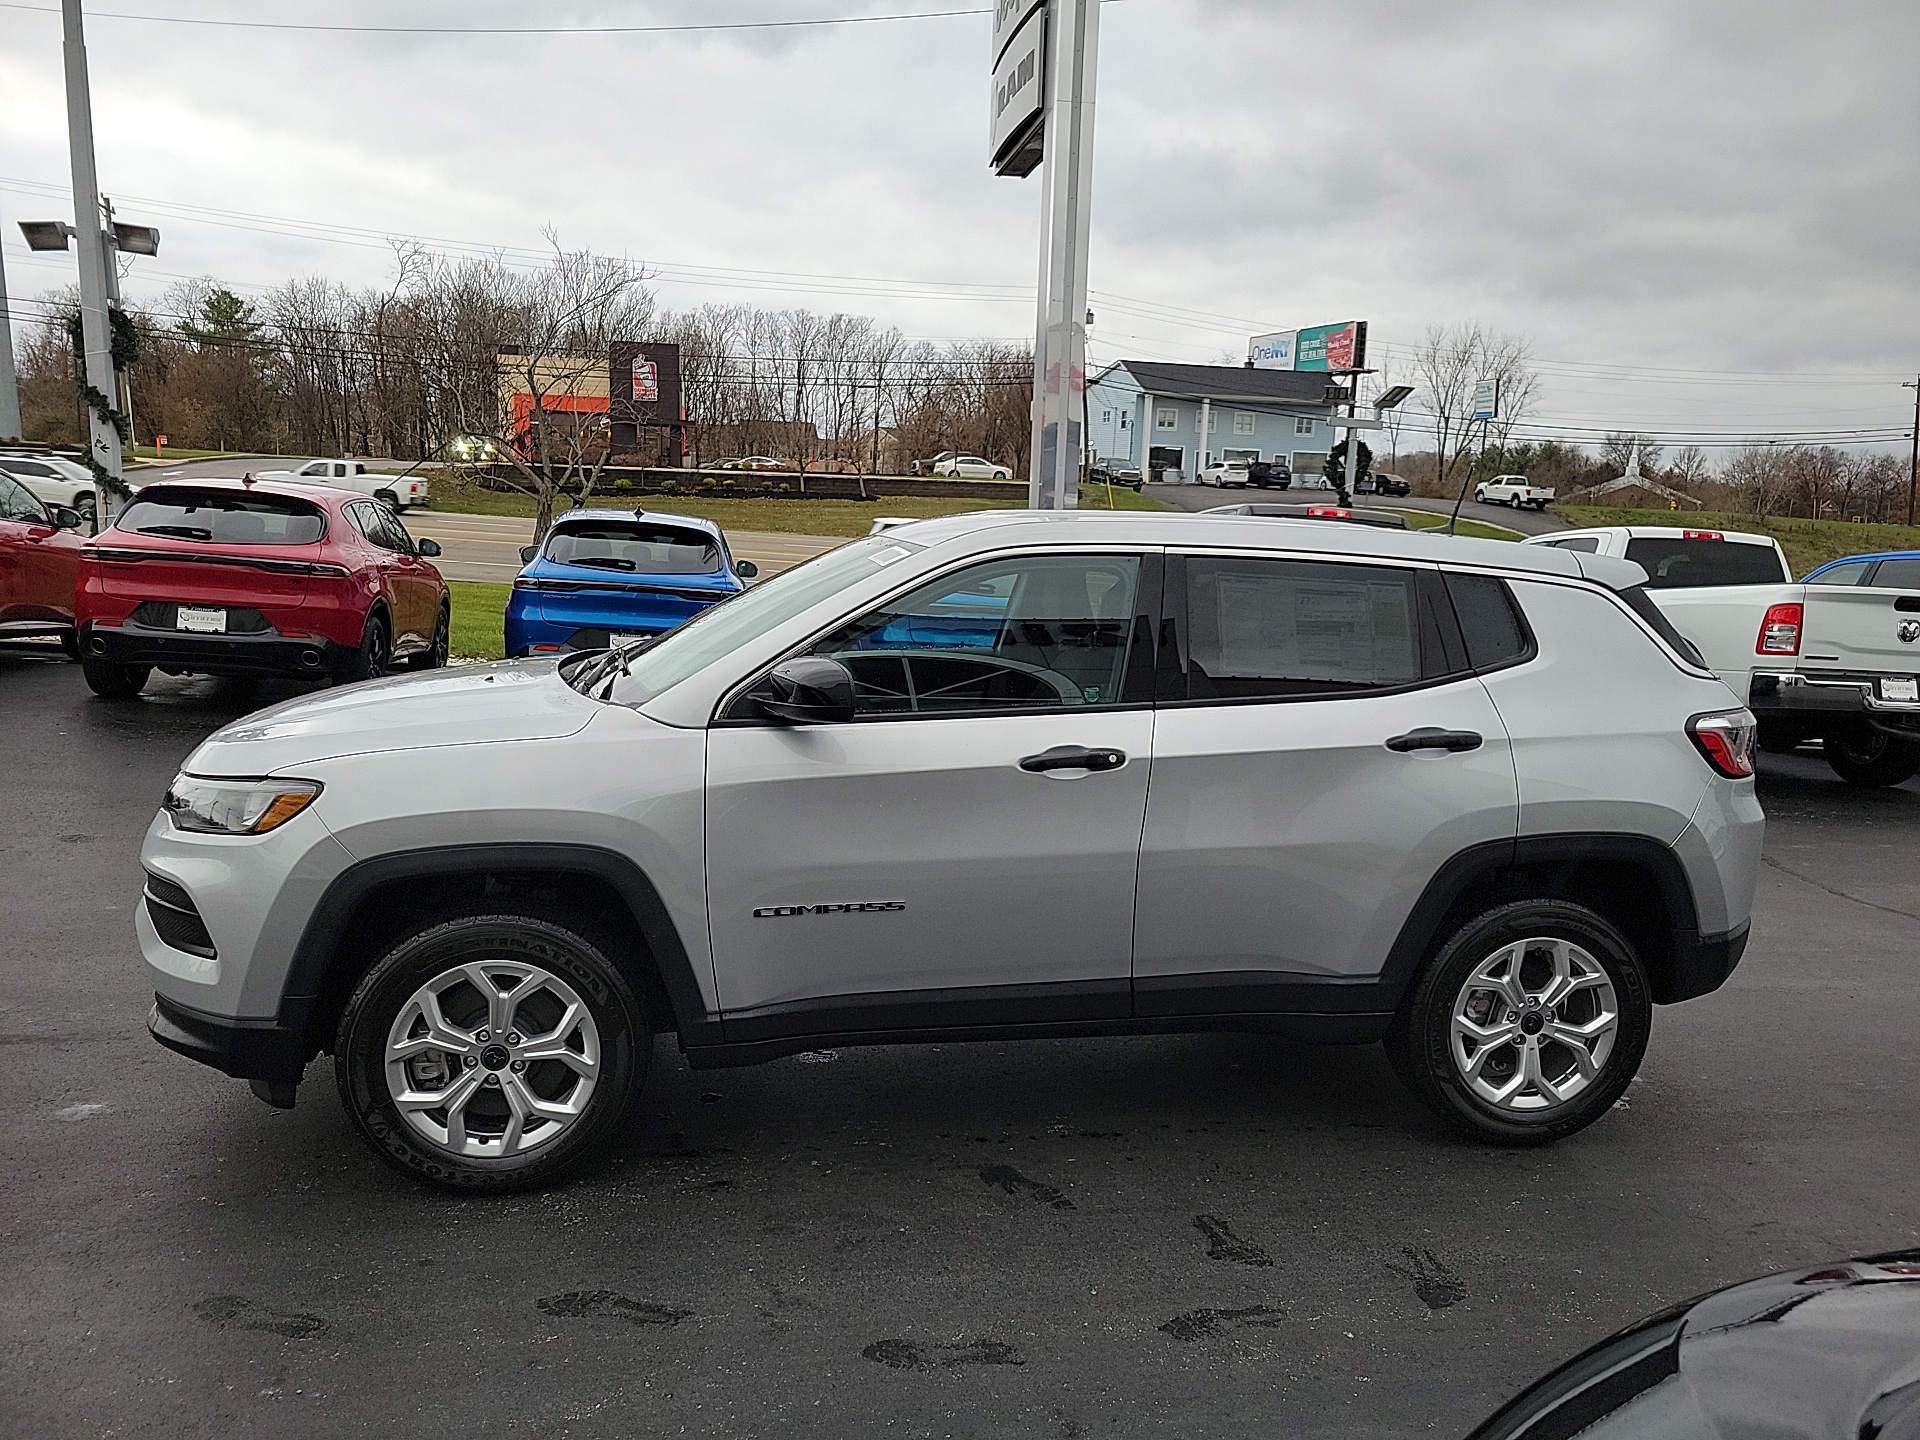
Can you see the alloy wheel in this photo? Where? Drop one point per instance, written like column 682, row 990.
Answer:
column 1534, row 1024
column 492, row 1059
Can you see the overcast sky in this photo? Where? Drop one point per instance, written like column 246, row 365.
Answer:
column 1704, row 214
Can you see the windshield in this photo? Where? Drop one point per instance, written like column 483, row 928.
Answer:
column 1673, row 563
column 636, row 548
column 726, row 626
column 225, row 517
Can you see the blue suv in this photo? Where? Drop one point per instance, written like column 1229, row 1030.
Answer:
column 604, row 576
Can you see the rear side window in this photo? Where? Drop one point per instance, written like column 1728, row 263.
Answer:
column 1495, row 630
column 225, row 517
column 1259, row 629
column 1897, row 575
column 18, row 503
column 1642, row 605
column 1585, row 544
column 1671, row 563
column 635, row 549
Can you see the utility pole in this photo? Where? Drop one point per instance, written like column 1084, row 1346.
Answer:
column 96, row 333
column 9, row 383
column 1913, row 465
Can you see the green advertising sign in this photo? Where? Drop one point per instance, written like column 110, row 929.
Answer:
column 1332, row 347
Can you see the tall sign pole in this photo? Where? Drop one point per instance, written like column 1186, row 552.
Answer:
column 95, row 257
column 1913, row 465
column 9, row 383
column 1046, row 55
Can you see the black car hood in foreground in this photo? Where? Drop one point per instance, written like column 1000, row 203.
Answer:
column 1832, row 1353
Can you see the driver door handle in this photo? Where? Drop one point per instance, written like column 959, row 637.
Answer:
column 1430, row 738
column 1073, row 757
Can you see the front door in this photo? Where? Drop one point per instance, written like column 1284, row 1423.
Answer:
column 1286, row 840
column 963, row 850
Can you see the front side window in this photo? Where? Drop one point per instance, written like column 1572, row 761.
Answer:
column 1024, row 633
column 318, row 469
column 224, row 517
column 18, row 503
column 638, row 548
column 1849, row 574
column 1260, row 629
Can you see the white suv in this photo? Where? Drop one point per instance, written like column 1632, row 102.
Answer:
column 998, row 775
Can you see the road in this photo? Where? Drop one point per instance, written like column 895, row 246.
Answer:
column 1203, row 497
column 1193, row 1236
column 487, row 547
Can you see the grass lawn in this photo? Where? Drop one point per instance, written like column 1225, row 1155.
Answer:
column 479, row 619
column 848, row 518
column 1808, row 543
column 174, row 452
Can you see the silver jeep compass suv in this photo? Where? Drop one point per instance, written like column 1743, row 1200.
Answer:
column 999, row 775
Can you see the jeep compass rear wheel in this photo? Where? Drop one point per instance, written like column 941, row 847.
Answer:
column 1527, row 1025
column 491, row 1052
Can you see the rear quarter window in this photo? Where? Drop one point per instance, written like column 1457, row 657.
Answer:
column 1490, row 619
column 1901, row 574
column 223, row 517
column 1673, row 563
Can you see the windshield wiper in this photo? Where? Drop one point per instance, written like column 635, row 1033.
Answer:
column 610, row 666
column 185, row 532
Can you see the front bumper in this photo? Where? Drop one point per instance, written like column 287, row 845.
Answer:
column 271, row 1051
column 1804, row 699
column 263, row 653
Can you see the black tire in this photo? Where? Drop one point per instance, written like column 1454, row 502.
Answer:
column 581, row 961
column 1872, row 759
column 388, row 499
column 70, row 644
column 375, row 654
column 87, row 507
column 435, row 655
column 113, row 682
column 1420, row 1043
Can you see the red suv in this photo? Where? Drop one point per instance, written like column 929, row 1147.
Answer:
column 237, row 577
column 38, row 558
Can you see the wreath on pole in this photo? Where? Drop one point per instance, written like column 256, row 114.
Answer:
column 124, row 348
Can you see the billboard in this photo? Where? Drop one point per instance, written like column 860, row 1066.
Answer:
column 1017, row 109
column 1318, row 347
column 1272, row 352
column 643, row 391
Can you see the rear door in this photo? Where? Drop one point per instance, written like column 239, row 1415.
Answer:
column 1320, row 750
column 413, row 587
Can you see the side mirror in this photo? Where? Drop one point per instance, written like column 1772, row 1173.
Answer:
column 811, row 690
column 527, row 552
column 428, row 548
column 65, row 517
column 745, row 569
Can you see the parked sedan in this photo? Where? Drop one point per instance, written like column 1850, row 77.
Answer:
column 926, row 467
column 240, row 577
column 39, row 560
column 1383, row 485
column 603, row 577
column 971, row 467
column 752, row 462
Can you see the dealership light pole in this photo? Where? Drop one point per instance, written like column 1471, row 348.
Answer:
column 95, row 331
column 1045, row 57
column 1913, row 465
column 9, row 383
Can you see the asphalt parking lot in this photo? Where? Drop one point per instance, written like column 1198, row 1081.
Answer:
column 1189, row 1236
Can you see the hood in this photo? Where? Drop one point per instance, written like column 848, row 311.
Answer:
column 467, row 705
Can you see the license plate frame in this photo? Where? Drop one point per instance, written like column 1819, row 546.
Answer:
column 1900, row 687
column 201, row 619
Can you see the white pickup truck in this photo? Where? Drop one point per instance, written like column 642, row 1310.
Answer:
column 402, row 492
column 1513, row 490
column 1835, row 663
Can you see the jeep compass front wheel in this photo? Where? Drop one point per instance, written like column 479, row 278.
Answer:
column 1527, row 1025
column 491, row 1052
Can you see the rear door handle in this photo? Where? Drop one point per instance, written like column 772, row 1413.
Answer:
column 1428, row 737
column 1073, row 757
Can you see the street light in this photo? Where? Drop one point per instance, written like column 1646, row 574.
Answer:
column 47, row 234
column 136, row 239
column 1392, row 397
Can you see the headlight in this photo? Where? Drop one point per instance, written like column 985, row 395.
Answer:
column 237, row 807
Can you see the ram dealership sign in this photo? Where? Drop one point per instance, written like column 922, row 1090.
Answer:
column 1019, row 85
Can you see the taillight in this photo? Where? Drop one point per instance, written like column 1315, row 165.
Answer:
column 1779, row 631
column 1701, row 535
column 1329, row 512
column 528, row 585
column 1726, row 741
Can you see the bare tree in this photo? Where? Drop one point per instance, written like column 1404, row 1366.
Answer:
column 1618, row 447
column 1449, row 364
column 1690, row 469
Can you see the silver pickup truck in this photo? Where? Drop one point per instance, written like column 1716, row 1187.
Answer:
column 1834, row 663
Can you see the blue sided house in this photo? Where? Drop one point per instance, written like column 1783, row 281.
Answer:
column 1147, row 414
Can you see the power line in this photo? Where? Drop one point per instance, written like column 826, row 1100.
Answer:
column 704, row 26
